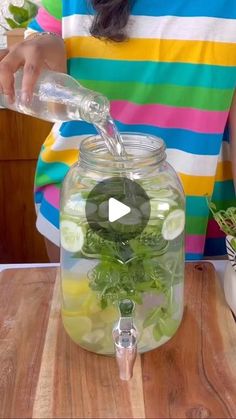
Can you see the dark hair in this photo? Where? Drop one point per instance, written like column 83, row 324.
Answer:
column 110, row 19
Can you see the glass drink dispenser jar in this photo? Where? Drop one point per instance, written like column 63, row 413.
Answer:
column 122, row 249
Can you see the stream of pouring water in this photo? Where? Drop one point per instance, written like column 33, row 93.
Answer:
column 112, row 138
column 115, row 145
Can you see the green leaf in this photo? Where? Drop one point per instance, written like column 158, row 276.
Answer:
column 226, row 219
column 25, row 24
column 130, row 269
column 12, row 24
column 212, row 206
column 104, row 303
column 137, row 298
column 19, row 14
column 152, row 317
column 157, row 332
column 168, row 326
column 32, row 8
column 145, row 286
column 233, row 244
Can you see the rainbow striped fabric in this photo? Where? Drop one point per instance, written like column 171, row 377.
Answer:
column 174, row 78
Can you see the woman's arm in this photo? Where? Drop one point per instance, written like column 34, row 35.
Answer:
column 35, row 53
column 232, row 127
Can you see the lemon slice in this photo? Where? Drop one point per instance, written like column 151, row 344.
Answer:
column 74, row 286
column 109, row 314
column 72, row 238
column 173, row 225
column 91, row 304
column 77, row 326
column 94, row 336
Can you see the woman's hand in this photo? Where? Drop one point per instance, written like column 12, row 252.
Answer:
column 33, row 54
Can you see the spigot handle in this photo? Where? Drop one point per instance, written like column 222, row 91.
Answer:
column 125, row 340
column 126, row 356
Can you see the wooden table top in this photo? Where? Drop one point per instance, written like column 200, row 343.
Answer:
column 43, row 374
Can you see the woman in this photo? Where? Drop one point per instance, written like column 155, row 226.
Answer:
column 169, row 69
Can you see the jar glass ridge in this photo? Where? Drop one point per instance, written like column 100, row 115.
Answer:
column 144, row 150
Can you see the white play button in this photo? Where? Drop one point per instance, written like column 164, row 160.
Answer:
column 114, row 214
column 117, row 210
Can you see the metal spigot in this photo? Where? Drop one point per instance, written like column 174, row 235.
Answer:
column 125, row 340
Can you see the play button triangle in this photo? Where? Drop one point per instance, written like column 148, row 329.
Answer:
column 117, row 210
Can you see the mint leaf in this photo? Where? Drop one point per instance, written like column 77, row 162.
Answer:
column 152, row 317
column 157, row 333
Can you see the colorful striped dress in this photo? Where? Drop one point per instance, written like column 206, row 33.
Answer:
column 174, row 78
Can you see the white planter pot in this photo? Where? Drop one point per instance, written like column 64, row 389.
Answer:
column 230, row 276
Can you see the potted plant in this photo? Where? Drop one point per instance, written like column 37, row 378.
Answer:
column 17, row 19
column 227, row 223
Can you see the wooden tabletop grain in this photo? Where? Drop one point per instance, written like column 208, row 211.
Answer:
column 43, row 374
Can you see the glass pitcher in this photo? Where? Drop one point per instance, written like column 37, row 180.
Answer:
column 120, row 298
column 58, row 97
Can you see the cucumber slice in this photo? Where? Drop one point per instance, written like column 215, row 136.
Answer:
column 173, row 225
column 72, row 237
